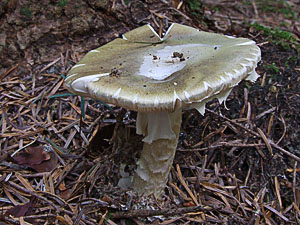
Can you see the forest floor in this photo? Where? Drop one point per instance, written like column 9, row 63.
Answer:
column 233, row 166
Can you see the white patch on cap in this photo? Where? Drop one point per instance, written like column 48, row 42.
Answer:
column 166, row 64
column 81, row 83
column 163, row 67
column 94, row 51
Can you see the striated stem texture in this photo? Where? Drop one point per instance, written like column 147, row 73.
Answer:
column 157, row 155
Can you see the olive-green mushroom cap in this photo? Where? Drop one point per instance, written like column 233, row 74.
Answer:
column 146, row 73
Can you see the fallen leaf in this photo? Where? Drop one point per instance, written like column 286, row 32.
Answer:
column 37, row 158
column 32, row 156
column 65, row 194
column 62, row 186
column 22, row 210
column 46, row 165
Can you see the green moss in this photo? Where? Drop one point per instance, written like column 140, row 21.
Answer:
column 277, row 36
column 276, row 6
column 290, row 60
column 246, row 3
column 25, row 11
column 284, row 24
column 194, row 4
column 272, row 67
column 197, row 10
column 62, row 3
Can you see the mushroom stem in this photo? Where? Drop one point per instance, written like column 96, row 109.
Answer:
column 158, row 152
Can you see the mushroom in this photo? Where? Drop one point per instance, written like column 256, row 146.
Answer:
column 158, row 77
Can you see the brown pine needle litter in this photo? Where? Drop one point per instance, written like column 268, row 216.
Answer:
column 62, row 156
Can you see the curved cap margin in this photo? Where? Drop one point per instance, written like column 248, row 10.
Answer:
column 146, row 73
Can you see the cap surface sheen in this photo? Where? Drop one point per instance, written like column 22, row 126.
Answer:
column 144, row 72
